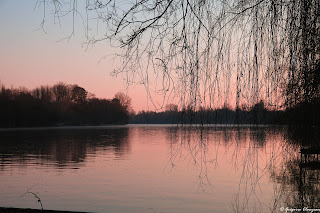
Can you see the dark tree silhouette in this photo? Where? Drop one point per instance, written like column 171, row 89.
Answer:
column 125, row 101
column 61, row 92
column 78, row 94
column 61, row 104
column 172, row 107
column 258, row 114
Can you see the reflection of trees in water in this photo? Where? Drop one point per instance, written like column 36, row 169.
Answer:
column 301, row 183
column 300, row 175
column 306, row 137
column 264, row 150
column 256, row 153
column 190, row 143
column 201, row 146
column 61, row 147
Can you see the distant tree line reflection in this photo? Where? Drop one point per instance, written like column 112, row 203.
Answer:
column 63, row 148
column 61, row 104
column 300, row 174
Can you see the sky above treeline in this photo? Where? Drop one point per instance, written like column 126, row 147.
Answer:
column 30, row 57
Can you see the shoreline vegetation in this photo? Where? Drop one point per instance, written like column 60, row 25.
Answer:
column 303, row 115
column 63, row 105
column 60, row 105
column 257, row 114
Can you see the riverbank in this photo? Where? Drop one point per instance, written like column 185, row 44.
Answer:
column 18, row 210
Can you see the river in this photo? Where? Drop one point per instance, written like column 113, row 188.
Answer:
column 155, row 168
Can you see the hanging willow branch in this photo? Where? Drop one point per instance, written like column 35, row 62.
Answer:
column 209, row 53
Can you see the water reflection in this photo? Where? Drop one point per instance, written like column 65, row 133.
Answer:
column 299, row 176
column 169, row 168
column 301, row 185
column 254, row 153
column 60, row 148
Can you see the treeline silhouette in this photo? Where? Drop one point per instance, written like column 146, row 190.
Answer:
column 258, row 114
column 58, row 105
column 300, row 115
column 304, row 114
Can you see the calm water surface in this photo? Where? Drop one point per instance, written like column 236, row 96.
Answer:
column 154, row 169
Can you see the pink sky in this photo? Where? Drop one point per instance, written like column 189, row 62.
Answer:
column 30, row 58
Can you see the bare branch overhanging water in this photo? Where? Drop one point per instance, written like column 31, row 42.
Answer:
column 208, row 53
